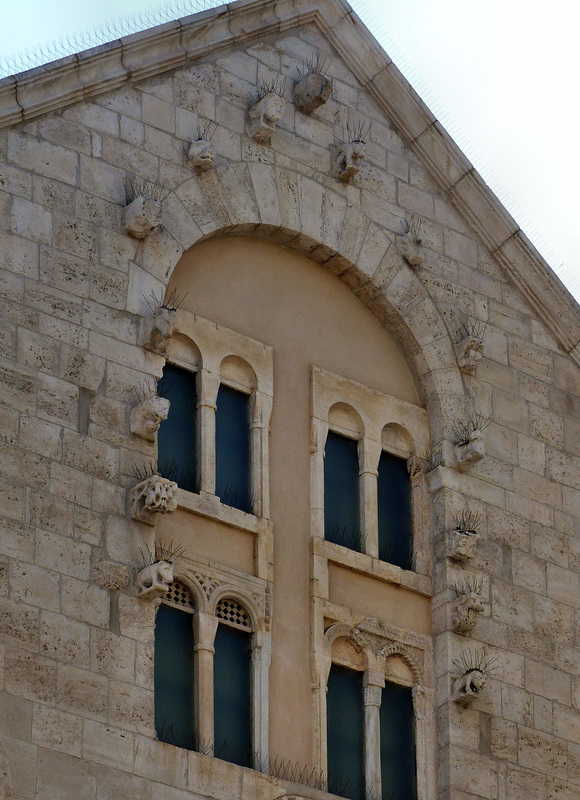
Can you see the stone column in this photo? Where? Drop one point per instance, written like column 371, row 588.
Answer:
column 369, row 454
column 207, row 404
column 261, row 651
column 204, row 629
column 373, row 686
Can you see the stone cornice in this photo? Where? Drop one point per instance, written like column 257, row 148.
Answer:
column 143, row 55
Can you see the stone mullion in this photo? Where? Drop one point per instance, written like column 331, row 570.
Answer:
column 205, row 627
column 207, row 406
column 373, row 686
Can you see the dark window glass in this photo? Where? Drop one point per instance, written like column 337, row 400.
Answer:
column 394, row 503
column 341, row 493
column 232, row 717
column 173, row 677
column 176, row 441
column 398, row 768
column 232, row 449
column 345, row 733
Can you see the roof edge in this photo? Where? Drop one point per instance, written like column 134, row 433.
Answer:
column 152, row 52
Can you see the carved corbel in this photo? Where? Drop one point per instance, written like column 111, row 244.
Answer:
column 409, row 242
column 201, row 153
column 152, row 496
column 146, row 417
column 470, row 349
column 462, row 539
column 141, row 216
column 153, row 580
column 473, row 669
column 467, row 605
column 469, row 444
column 156, row 329
column 313, row 89
column 267, row 111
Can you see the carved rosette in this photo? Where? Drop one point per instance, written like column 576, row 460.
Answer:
column 155, row 495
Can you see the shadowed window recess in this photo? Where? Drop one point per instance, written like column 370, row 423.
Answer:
column 341, row 492
column 398, row 760
column 394, row 509
column 232, row 449
column 177, row 437
column 345, row 733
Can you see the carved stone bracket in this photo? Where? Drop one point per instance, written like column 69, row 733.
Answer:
column 146, row 417
column 472, row 450
column 312, row 92
column 201, row 155
column 264, row 115
column 469, row 352
column 141, row 216
column 153, row 581
column 347, row 159
column 156, row 330
column 461, row 545
column 410, row 246
column 465, row 611
column 468, row 686
column 155, row 495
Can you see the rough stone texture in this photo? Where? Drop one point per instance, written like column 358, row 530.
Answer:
column 75, row 644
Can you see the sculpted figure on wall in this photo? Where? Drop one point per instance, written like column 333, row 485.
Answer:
column 146, row 417
column 154, row 495
column 156, row 330
column 153, row 581
column 266, row 113
column 312, row 92
column 201, row 154
column 141, row 216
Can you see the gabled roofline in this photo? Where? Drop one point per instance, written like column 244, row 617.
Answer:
column 165, row 47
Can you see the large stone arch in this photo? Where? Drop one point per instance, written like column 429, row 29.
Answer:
column 320, row 222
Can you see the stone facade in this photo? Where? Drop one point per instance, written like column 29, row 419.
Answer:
column 78, row 346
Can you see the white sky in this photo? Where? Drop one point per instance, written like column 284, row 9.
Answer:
column 502, row 76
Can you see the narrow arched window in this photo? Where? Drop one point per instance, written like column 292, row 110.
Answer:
column 232, row 449
column 394, row 510
column 173, row 670
column 345, row 733
column 177, row 437
column 398, row 760
column 232, row 675
column 341, row 491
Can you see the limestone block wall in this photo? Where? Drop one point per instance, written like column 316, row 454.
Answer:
column 75, row 642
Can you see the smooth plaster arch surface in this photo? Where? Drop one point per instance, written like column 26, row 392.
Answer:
column 306, row 216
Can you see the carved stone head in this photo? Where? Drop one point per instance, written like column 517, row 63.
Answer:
column 347, row 159
column 264, row 115
column 201, row 155
column 411, row 248
column 469, row 352
column 147, row 416
column 312, row 92
column 153, row 580
column 157, row 329
column 473, row 450
column 142, row 215
column 466, row 609
column 154, row 495
column 468, row 686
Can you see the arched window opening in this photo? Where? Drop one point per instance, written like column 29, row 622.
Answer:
column 394, row 511
column 341, row 492
column 232, row 449
column 232, row 678
column 174, row 675
column 345, row 733
column 398, row 759
column 177, row 437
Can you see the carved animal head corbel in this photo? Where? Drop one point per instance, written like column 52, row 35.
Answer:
column 468, row 604
column 313, row 88
column 201, row 153
column 153, row 580
column 267, row 110
column 151, row 496
column 473, row 668
column 470, row 348
column 469, row 444
column 146, row 417
column 410, row 243
column 157, row 328
column 142, row 214
column 463, row 537
column 347, row 156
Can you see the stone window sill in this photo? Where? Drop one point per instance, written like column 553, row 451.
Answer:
column 210, row 506
column 382, row 570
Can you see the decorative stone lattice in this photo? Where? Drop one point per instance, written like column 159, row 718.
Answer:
column 208, row 584
column 146, row 417
column 155, row 495
column 178, row 594
column 142, row 216
column 154, row 580
column 233, row 612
